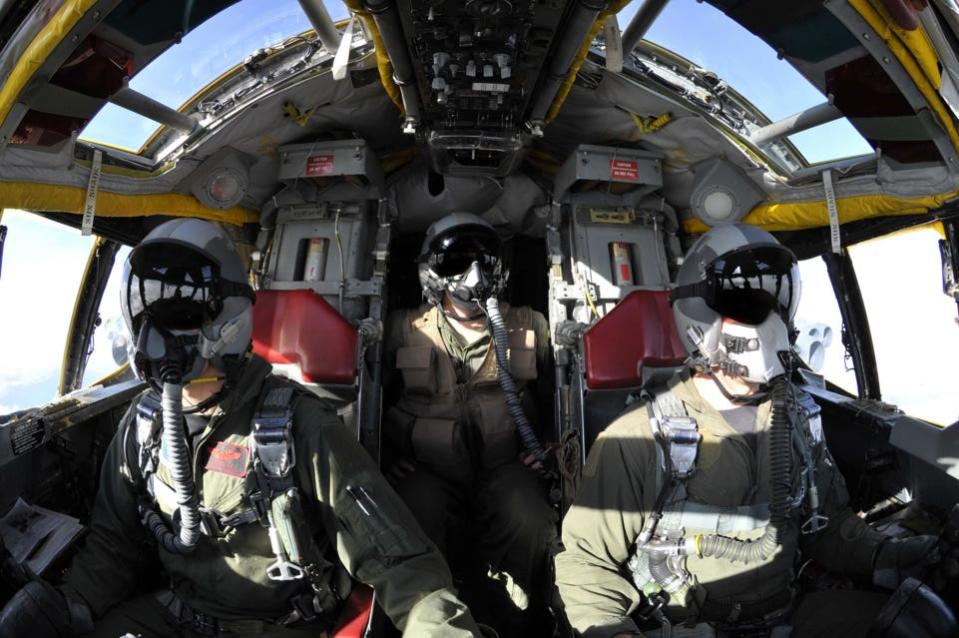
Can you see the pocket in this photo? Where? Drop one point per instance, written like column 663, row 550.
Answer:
column 373, row 520
column 522, row 354
column 438, row 444
column 417, row 364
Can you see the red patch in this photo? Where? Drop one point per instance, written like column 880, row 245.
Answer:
column 228, row 458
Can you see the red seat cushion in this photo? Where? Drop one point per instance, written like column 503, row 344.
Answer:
column 299, row 327
column 355, row 615
column 639, row 331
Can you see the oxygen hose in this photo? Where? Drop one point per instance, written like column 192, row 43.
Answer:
column 177, row 457
column 508, row 384
column 780, row 459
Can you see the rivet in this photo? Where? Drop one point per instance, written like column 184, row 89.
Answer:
column 885, row 59
column 866, row 36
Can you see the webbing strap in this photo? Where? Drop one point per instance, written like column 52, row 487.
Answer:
column 272, row 433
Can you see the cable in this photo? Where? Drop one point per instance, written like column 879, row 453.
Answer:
column 339, row 251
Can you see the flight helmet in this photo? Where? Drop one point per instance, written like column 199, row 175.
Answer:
column 734, row 302
column 462, row 255
column 186, row 300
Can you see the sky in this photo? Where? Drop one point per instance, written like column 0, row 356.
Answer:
column 41, row 288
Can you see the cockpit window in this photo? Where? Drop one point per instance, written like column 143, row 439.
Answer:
column 206, row 52
column 704, row 35
column 37, row 292
column 913, row 323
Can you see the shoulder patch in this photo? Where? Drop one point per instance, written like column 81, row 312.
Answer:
column 228, row 458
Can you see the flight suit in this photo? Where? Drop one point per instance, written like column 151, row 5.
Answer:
column 618, row 492
column 448, row 414
column 225, row 575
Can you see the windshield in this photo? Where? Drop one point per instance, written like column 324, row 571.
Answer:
column 704, row 35
column 205, row 53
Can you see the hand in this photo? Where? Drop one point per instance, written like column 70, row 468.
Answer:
column 399, row 470
column 900, row 558
column 531, row 462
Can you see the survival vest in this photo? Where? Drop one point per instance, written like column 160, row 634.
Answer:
column 456, row 428
column 270, row 493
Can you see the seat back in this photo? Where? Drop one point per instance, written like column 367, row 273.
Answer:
column 637, row 335
column 304, row 337
column 636, row 344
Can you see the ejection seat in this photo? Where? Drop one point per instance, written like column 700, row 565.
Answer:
column 636, row 345
column 320, row 266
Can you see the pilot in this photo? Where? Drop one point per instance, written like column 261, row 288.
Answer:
column 697, row 503
column 466, row 458
column 248, row 492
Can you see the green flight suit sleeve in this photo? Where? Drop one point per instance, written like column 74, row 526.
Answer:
column 600, row 529
column 847, row 545
column 376, row 537
column 113, row 558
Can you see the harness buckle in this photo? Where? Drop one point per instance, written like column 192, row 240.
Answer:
column 272, row 433
column 283, row 570
column 682, row 437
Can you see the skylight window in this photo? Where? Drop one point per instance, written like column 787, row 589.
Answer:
column 206, row 52
column 704, row 35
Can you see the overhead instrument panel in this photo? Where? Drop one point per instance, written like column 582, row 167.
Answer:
column 476, row 66
column 477, row 77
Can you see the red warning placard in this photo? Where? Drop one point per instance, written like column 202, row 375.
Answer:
column 624, row 170
column 319, row 165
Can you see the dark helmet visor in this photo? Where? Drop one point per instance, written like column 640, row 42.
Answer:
column 453, row 253
column 747, row 284
column 177, row 286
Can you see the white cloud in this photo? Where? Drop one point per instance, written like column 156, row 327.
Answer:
column 43, row 263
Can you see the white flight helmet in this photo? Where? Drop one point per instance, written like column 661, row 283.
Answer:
column 185, row 300
column 734, row 302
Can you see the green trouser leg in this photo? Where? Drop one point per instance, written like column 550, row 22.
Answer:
column 512, row 531
column 837, row 612
column 519, row 526
column 518, row 533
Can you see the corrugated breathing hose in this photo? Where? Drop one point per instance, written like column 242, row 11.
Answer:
column 181, row 473
column 508, row 384
column 780, row 458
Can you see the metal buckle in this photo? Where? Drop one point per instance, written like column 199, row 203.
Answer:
column 683, row 437
column 283, row 569
column 814, row 523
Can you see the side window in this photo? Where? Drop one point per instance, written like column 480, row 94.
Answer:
column 913, row 324
column 819, row 322
column 43, row 263
column 110, row 338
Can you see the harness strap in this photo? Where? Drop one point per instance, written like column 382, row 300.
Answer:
column 275, row 501
column 272, row 439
